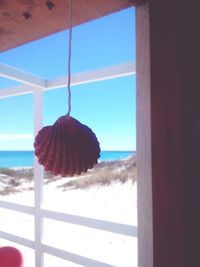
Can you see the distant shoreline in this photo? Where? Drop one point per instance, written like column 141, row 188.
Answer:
column 130, row 151
column 21, row 158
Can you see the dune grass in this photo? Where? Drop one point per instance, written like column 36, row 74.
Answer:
column 104, row 173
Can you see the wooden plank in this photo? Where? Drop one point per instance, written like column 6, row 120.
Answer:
column 17, row 239
column 38, row 182
column 17, row 90
column 168, row 171
column 116, row 71
column 19, row 16
column 111, row 72
column 188, row 57
column 113, row 227
column 16, row 207
column 170, row 153
column 78, row 259
column 144, row 156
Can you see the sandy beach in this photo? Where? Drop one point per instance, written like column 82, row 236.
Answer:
column 116, row 202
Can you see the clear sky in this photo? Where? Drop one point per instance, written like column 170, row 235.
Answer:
column 107, row 107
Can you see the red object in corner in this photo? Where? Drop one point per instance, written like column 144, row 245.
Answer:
column 10, row 257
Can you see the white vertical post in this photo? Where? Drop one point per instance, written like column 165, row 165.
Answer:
column 38, row 182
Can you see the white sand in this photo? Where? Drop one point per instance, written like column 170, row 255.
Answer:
column 116, row 203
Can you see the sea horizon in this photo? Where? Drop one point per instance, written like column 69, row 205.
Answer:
column 25, row 158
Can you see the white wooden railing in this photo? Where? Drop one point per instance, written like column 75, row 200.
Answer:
column 36, row 85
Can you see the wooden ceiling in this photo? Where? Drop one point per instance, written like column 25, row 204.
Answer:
column 22, row 21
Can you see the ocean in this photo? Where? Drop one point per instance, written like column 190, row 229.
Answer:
column 10, row 159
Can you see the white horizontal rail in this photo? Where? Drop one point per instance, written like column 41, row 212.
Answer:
column 17, row 239
column 113, row 227
column 106, row 73
column 54, row 251
column 74, row 257
column 108, row 226
column 17, row 90
column 17, row 207
column 21, row 76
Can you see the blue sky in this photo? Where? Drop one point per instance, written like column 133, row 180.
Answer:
column 107, row 107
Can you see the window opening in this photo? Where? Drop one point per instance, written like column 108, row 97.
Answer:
column 112, row 228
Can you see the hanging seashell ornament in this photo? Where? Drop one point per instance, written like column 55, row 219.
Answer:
column 67, row 147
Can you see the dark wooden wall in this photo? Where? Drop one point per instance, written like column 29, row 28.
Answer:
column 168, row 139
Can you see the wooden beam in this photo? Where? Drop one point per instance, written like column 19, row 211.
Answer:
column 113, row 227
column 21, row 76
column 144, row 156
column 167, row 177
column 17, row 239
column 75, row 258
column 22, row 21
column 90, row 76
column 188, row 57
column 17, row 207
column 17, row 90
column 106, row 73
column 38, row 182
column 168, row 134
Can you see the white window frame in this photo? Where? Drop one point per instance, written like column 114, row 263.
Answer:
column 37, row 85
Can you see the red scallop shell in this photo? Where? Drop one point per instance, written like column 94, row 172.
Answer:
column 67, row 147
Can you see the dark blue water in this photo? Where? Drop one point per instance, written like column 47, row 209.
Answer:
column 25, row 158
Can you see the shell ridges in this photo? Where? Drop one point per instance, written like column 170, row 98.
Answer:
column 68, row 147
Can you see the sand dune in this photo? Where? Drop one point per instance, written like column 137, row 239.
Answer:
column 114, row 202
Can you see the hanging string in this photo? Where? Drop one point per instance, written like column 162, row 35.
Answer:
column 69, row 57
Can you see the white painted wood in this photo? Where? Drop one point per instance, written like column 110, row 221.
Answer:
column 17, row 207
column 17, row 239
column 106, row 73
column 17, row 90
column 144, row 139
column 21, row 76
column 38, row 182
column 113, row 227
column 83, row 261
column 36, row 85
column 53, row 251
